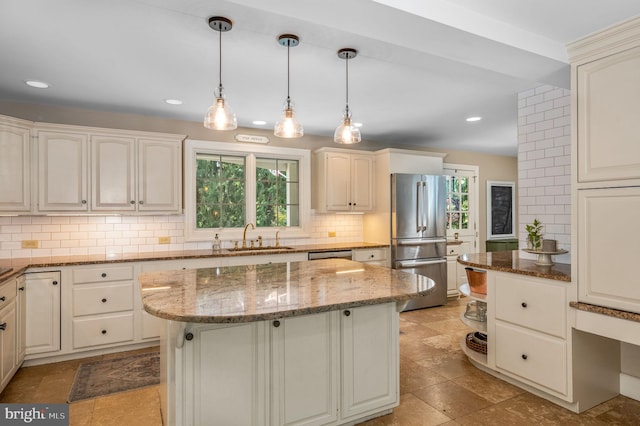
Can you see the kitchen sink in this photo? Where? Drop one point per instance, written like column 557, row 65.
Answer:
column 259, row 249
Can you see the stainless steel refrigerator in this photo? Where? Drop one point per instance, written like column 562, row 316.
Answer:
column 418, row 232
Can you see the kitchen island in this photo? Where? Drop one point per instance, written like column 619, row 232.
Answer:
column 313, row 342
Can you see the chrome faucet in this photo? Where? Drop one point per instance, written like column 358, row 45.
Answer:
column 277, row 240
column 244, row 235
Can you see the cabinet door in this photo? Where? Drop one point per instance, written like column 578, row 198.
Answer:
column 608, row 236
column 159, row 175
column 370, row 349
column 607, row 112
column 7, row 342
column 15, row 183
column 43, row 312
column 62, row 168
column 361, row 183
column 338, row 181
column 21, row 318
column 113, row 173
column 226, row 375
column 304, row 354
column 452, row 276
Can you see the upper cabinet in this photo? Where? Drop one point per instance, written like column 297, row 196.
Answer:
column 606, row 81
column 15, row 165
column 99, row 170
column 343, row 180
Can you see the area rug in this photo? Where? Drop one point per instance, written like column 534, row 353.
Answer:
column 99, row 378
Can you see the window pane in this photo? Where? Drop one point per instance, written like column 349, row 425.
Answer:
column 219, row 191
column 277, row 192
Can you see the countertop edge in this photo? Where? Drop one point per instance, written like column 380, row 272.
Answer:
column 511, row 262
column 603, row 310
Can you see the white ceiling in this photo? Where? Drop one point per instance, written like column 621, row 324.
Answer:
column 422, row 68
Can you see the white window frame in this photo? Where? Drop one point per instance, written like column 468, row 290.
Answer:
column 194, row 147
column 473, row 173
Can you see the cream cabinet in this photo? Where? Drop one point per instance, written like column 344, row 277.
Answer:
column 373, row 256
column 113, row 173
column 329, row 368
column 62, row 171
column 8, row 332
column 343, row 180
column 606, row 176
column 43, row 312
column 15, row 165
column 21, row 315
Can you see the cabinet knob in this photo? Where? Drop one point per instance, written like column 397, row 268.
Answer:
column 132, row 202
column 189, row 336
column 2, row 299
column 347, row 313
column 104, row 300
column 372, row 256
column 84, row 201
column 55, row 283
column 21, row 288
column 524, row 356
column 524, row 304
column 349, row 203
column 104, row 331
column 103, row 275
column 3, row 326
column 276, row 323
column 140, row 202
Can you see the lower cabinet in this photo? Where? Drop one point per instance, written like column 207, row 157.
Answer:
column 8, row 332
column 42, row 305
column 373, row 256
column 328, row 368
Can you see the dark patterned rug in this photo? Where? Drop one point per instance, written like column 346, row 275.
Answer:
column 99, row 378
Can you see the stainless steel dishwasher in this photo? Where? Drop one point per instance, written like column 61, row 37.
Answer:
column 335, row 254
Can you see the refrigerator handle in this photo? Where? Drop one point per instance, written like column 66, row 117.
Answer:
column 418, row 209
column 420, row 242
column 400, row 264
column 425, row 207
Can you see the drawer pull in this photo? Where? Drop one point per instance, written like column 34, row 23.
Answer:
column 104, row 331
column 2, row 299
column 372, row 256
column 21, row 288
column 524, row 356
column 524, row 304
column 3, row 326
column 104, row 300
column 188, row 336
column 276, row 323
column 55, row 283
column 347, row 313
column 103, row 275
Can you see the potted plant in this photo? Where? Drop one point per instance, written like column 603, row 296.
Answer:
column 534, row 238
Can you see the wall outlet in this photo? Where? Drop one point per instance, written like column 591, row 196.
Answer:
column 26, row 244
column 332, row 233
column 164, row 240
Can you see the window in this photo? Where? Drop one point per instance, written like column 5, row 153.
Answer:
column 230, row 185
column 457, row 202
column 462, row 202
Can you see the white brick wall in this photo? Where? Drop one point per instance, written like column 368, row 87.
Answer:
column 544, row 164
column 104, row 235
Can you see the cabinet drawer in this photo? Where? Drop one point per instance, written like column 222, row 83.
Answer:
column 536, row 357
column 454, row 250
column 100, row 299
column 7, row 293
column 96, row 275
column 102, row 330
column 531, row 303
column 369, row 255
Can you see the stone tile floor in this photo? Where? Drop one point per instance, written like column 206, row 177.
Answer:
column 437, row 385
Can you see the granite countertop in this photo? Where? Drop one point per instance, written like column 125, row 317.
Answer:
column 19, row 265
column 237, row 294
column 610, row 312
column 510, row 261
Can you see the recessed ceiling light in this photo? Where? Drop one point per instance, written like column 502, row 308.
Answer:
column 37, row 84
column 173, row 101
column 474, row 119
column 259, row 122
column 357, row 124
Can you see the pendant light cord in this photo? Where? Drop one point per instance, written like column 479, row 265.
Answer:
column 220, row 59
column 347, row 83
column 288, row 73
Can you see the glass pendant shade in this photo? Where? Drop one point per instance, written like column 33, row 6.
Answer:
column 220, row 116
column 346, row 133
column 288, row 126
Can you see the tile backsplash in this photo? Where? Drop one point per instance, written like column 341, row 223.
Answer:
column 87, row 235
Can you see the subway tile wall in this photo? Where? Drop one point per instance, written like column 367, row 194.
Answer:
column 544, row 164
column 87, row 235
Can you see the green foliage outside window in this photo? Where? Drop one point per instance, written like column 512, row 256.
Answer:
column 277, row 189
column 457, row 202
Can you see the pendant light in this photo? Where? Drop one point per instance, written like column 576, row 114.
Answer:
column 219, row 115
column 346, row 133
column 288, row 126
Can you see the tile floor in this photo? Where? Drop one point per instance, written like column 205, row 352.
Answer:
column 437, row 385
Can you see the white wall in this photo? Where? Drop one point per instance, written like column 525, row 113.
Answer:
column 544, row 164
column 105, row 235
